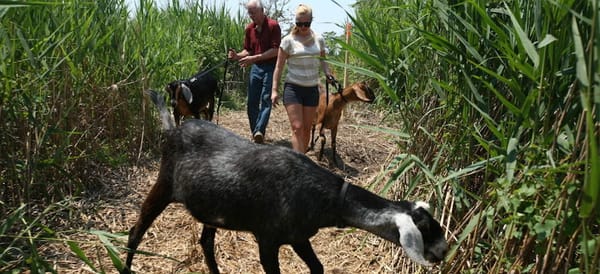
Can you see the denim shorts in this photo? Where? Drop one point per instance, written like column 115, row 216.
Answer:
column 295, row 94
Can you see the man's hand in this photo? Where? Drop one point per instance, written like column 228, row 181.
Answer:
column 248, row 60
column 232, row 55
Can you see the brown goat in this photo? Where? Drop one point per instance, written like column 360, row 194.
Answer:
column 329, row 117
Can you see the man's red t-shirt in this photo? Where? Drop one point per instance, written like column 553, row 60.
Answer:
column 269, row 37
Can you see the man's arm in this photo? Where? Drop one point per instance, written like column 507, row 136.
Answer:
column 251, row 59
column 237, row 55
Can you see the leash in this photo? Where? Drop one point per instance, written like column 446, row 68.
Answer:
column 222, row 89
column 335, row 83
column 226, row 61
column 204, row 72
column 329, row 79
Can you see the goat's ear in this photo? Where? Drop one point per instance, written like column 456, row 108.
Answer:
column 171, row 88
column 411, row 238
column 187, row 93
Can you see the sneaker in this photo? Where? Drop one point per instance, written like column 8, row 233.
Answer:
column 258, row 137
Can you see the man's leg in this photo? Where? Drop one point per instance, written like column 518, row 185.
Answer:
column 254, row 90
column 265, row 98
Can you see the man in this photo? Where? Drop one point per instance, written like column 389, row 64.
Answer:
column 261, row 44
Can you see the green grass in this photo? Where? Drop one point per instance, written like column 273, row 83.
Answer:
column 497, row 101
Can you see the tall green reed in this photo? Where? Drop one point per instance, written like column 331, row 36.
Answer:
column 501, row 122
column 71, row 103
column 73, row 81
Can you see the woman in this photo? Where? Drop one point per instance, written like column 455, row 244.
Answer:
column 304, row 52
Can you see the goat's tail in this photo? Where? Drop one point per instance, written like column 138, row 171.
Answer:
column 165, row 116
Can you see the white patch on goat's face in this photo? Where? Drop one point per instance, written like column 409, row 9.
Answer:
column 423, row 205
column 411, row 238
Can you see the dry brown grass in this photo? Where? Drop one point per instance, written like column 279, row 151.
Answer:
column 175, row 234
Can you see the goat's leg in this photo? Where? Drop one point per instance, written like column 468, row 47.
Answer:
column 307, row 254
column 207, row 241
column 157, row 200
column 177, row 116
column 269, row 252
column 312, row 137
column 211, row 109
column 322, row 137
column 333, row 145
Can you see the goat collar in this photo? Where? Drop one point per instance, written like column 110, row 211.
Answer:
column 338, row 86
column 340, row 201
column 340, row 90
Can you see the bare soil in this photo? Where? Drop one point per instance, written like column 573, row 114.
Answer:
column 173, row 238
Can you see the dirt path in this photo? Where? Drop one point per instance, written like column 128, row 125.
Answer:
column 363, row 154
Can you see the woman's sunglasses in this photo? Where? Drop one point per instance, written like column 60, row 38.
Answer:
column 303, row 24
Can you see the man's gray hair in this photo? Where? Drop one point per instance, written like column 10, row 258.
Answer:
column 254, row 4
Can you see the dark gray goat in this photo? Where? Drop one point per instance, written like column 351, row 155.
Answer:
column 190, row 97
column 280, row 196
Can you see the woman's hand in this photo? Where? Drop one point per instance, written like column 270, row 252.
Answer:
column 274, row 97
column 330, row 78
